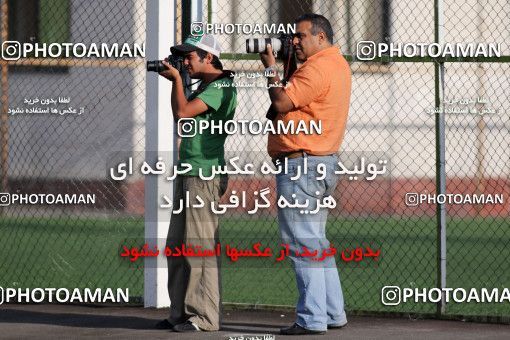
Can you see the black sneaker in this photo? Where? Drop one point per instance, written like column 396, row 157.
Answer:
column 164, row 324
column 337, row 326
column 296, row 329
column 187, row 326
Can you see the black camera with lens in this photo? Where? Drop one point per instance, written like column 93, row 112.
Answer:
column 177, row 61
column 284, row 51
column 281, row 45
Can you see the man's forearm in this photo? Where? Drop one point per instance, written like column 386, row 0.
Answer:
column 179, row 100
column 279, row 99
column 275, row 89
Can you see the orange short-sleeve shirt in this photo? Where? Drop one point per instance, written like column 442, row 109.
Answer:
column 320, row 90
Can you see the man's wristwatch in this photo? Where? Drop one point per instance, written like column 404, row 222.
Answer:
column 271, row 71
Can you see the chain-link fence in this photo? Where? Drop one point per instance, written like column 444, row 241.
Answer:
column 391, row 118
column 63, row 118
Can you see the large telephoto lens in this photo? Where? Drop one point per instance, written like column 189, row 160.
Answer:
column 155, row 66
column 258, row 45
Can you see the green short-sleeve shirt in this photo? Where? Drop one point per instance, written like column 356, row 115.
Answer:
column 206, row 149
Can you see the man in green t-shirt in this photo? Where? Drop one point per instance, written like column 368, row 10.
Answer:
column 193, row 282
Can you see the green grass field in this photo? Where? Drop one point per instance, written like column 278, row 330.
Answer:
column 73, row 252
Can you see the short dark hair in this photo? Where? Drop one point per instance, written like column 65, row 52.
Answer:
column 216, row 63
column 319, row 24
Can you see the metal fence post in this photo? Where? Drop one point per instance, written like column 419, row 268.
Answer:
column 4, row 116
column 159, row 138
column 440, row 156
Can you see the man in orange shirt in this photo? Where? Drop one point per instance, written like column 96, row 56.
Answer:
column 319, row 90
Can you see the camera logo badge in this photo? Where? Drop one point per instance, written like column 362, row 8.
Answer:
column 187, row 127
column 5, row 199
column 390, row 295
column 366, row 50
column 412, row 199
column 197, row 29
column 11, row 50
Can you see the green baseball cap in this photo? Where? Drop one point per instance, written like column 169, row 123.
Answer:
column 206, row 42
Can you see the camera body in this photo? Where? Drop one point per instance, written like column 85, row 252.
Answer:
column 157, row 65
column 284, row 51
column 281, row 45
column 177, row 61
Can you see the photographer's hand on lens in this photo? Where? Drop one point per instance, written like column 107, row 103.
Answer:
column 267, row 57
column 171, row 73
